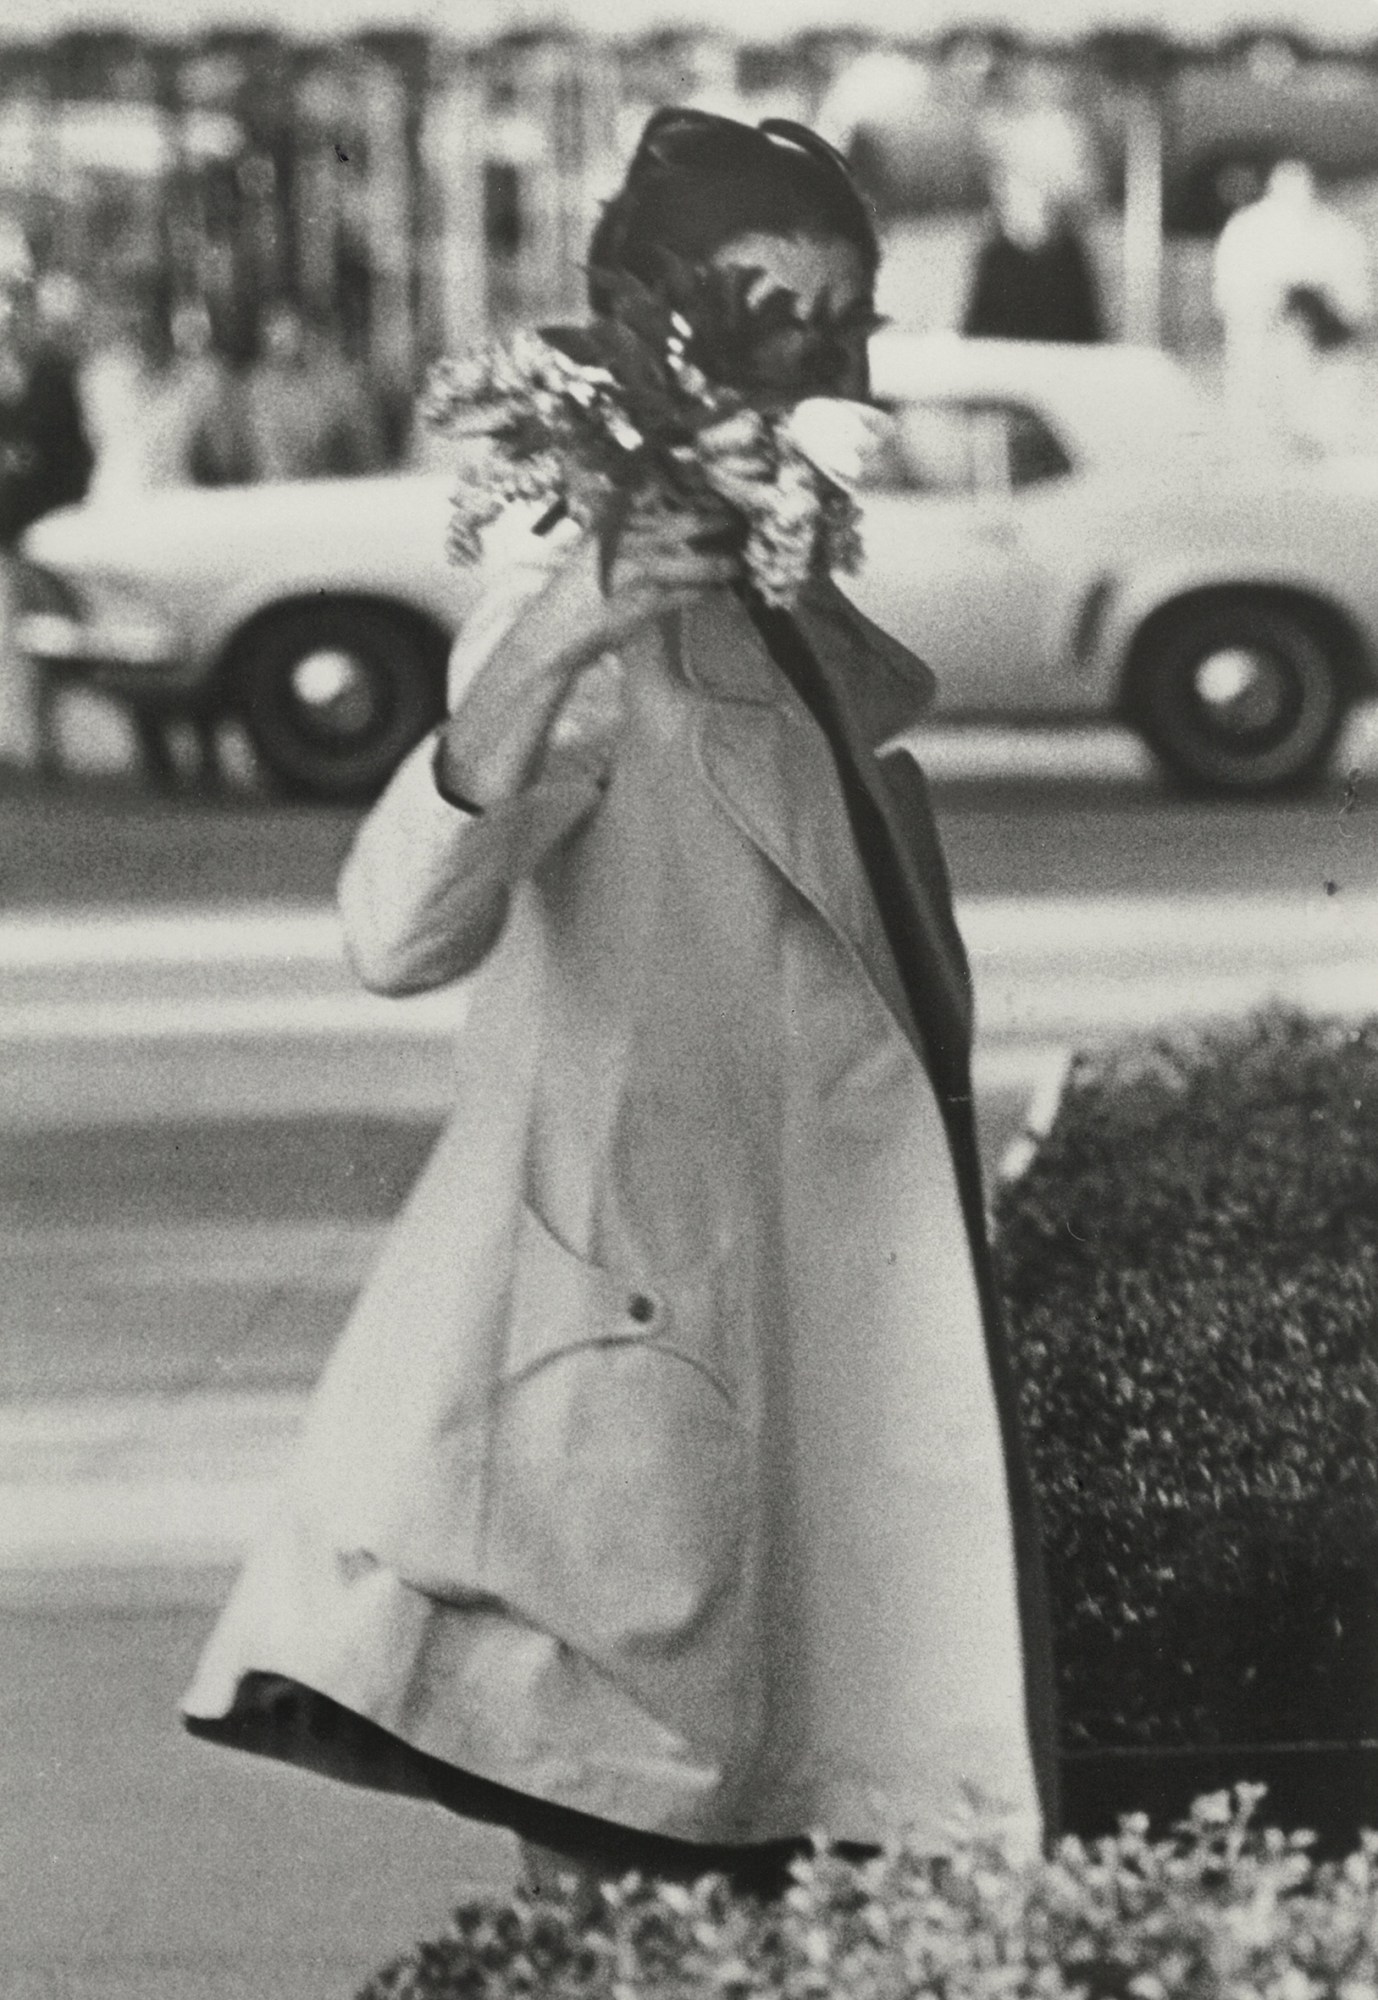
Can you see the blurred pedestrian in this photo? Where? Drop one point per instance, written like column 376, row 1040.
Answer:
column 1033, row 278
column 309, row 413
column 1292, row 288
column 157, row 400
column 63, row 310
column 45, row 463
column 664, row 1500
column 161, row 415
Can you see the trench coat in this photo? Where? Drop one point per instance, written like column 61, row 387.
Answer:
column 667, row 1468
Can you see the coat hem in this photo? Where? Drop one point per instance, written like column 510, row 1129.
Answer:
column 277, row 1717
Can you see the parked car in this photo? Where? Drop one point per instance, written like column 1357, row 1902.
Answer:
column 1062, row 533
column 1066, row 532
column 321, row 612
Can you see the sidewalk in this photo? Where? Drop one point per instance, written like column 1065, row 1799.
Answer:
column 149, row 1498
column 174, row 1484
column 139, row 1864
column 253, row 1011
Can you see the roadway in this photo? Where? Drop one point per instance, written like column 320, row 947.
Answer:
column 1068, row 812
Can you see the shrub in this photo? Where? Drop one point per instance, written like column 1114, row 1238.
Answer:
column 1220, row 1911
column 1190, row 1267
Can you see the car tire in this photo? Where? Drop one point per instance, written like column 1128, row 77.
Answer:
column 334, row 696
column 1237, row 696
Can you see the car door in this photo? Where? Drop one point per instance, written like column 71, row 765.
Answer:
column 952, row 568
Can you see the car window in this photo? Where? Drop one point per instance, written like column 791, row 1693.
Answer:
column 930, row 448
column 1036, row 454
column 960, row 448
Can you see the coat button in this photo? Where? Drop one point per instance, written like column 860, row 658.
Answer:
column 641, row 1307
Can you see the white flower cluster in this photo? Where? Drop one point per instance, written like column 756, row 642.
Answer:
column 793, row 477
column 488, row 481
column 537, row 426
column 495, row 384
column 782, row 542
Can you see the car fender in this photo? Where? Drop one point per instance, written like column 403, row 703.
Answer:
column 1133, row 599
column 208, row 562
column 379, row 541
column 442, row 604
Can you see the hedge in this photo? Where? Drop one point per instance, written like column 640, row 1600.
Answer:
column 1219, row 1911
column 1190, row 1271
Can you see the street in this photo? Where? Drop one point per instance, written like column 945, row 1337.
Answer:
column 1093, row 818
column 207, row 1131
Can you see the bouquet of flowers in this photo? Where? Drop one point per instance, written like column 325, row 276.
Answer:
column 650, row 402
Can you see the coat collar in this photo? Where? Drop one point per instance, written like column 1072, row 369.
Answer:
column 885, row 688
column 765, row 759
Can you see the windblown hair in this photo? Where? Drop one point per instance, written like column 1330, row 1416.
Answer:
column 698, row 182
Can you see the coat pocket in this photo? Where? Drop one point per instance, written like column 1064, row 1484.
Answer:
column 616, row 1492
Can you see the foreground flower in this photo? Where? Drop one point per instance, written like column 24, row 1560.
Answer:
column 596, row 420
column 782, row 543
column 1210, row 1911
column 840, row 438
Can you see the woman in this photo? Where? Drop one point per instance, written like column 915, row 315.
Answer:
column 663, row 1501
column 307, row 413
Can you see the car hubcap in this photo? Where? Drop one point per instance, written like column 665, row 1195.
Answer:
column 334, row 694
column 1244, row 693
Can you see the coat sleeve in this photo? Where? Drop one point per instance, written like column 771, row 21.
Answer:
column 424, row 891
column 917, row 828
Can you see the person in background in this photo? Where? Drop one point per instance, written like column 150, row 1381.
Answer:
column 161, row 416
column 308, row 413
column 63, row 311
column 1292, row 289
column 1033, row 278
column 45, row 463
column 156, row 400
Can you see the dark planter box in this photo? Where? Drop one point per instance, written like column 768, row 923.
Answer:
column 1331, row 1788
column 1281, row 1659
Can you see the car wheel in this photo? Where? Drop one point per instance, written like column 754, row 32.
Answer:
column 333, row 697
column 1237, row 696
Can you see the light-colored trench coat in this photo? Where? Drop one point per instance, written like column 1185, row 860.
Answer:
column 659, row 1472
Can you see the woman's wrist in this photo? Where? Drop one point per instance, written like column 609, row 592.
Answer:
column 474, row 783
column 491, row 746
column 451, row 788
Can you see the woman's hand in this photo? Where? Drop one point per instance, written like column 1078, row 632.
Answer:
column 661, row 566
column 491, row 746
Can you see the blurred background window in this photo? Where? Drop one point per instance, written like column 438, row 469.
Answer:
column 1035, row 455
column 931, row 449
column 962, row 448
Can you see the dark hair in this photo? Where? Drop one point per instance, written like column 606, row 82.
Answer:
column 698, row 181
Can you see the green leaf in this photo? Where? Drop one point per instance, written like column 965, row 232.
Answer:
column 611, row 528
column 772, row 314
column 579, row 344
